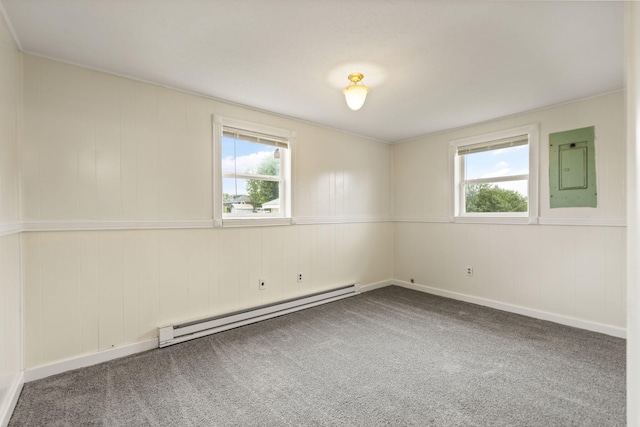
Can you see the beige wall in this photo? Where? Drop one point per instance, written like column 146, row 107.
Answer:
column 632, row 45
column 10, row 299
column 94, row 290
column 574, row 271
column 102, row 148
column 421, row 180
column 99, row 147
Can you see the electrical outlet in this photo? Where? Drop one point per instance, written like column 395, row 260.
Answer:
column 469, row 271
column 300, row 277
column 262, row 284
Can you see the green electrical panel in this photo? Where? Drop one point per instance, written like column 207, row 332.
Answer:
column 572, row 169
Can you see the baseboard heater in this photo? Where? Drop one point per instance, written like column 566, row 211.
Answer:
column 175, row 334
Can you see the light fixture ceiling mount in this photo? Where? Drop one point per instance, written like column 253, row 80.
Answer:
column 355, row 77
column 356, row 92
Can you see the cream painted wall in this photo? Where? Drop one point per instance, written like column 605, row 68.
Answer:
column 421, row 177
column 573, row 271
column 10, row 97
column 90, row 291
column 10, row 323
column 102, row 147
column 99, row 147
column 10, row 269
column 632, row 45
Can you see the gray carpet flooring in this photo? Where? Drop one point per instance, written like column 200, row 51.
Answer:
column 390, row 357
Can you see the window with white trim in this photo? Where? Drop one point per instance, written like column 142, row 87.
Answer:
column 254, row 169
column 495, row 176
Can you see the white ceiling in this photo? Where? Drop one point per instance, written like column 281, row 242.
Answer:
column 430, row 65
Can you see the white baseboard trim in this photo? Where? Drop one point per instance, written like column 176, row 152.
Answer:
column 8, row 404
column 525, row 311
column 54, row 368
column 70, row 364
column 44, row 371
column 377, row 285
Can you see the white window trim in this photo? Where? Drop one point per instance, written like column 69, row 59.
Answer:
column 530, row 217
column 238, row 220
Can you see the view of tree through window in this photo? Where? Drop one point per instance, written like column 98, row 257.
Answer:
column 494, row 176
column 491, row 198
column 261, row 192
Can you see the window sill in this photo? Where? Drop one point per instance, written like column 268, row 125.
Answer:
column 255, row 222
column 495, row 220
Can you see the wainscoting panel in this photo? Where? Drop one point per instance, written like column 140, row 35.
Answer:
column 90, row 291
column 10, row 324
column 566, row 270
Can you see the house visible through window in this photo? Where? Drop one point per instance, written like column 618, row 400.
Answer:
column 492, row 174
column 254, row 170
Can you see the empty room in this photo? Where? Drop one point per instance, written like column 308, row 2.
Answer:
column 323, row 213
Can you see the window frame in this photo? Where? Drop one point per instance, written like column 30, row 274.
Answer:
column 456, row 166
column 286, row 155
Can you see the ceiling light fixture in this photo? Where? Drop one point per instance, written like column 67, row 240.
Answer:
column 356, row 92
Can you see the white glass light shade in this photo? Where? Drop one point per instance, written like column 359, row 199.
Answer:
column 355, row 95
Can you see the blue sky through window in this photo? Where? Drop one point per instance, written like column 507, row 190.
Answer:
column 239, row 156
column 497, row 163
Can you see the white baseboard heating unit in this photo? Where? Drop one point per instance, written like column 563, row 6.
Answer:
column 175, row 334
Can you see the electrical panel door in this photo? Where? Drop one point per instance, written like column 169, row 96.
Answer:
column 572, row 169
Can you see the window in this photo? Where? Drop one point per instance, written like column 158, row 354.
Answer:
column 254, row 169
column 495, row 176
